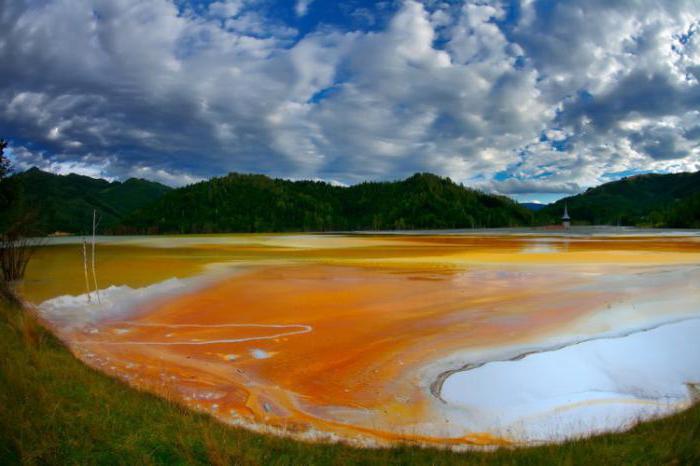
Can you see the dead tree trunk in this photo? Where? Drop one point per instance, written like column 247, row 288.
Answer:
column 85, row 269
column 94, row 273
column 15, row 252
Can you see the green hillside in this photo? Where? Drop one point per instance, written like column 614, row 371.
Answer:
column 65, row 202
column 671, row 200
column 683, row 214
column 257, row 203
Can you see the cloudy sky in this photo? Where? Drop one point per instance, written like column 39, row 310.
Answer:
column 536, row 99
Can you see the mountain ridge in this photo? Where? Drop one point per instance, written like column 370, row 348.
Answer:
column 64, row 203
column 651, row 200
column 533, row 206
column 239, row 202
column 256, row 203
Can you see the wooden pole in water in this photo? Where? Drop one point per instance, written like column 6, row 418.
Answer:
column 87, row 280
column 94, row 274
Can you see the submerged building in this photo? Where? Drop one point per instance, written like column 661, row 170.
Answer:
column 565, row 219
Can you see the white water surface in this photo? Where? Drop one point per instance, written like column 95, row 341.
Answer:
column 119, row 302
column 599, row 385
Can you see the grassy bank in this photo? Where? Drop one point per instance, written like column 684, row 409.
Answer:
column 55, row 410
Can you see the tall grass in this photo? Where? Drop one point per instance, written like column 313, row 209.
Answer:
column 55, row 410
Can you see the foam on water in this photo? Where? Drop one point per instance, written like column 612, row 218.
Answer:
column 259, row 354
column 115, row 302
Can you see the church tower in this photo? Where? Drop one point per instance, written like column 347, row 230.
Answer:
column 565, row 219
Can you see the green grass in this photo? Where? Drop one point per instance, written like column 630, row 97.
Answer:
column 55, row 410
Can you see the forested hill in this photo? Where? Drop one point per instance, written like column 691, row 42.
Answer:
column 671, row 200
column 257, row 203
column 533, row 206
column 64, row 203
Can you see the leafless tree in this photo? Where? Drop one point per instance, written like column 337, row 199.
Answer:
column 16, row 248
column 85, row 270
column 94, row 272
column 16, row 242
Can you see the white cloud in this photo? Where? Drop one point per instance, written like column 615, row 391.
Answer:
column 302, row 7
column 226, row 9
column 558, row 100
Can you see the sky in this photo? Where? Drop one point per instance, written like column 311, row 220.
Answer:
column 534, row 99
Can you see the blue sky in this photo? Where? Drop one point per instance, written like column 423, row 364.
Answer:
column 535, row 99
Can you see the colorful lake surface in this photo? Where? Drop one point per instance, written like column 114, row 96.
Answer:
column 464, row 339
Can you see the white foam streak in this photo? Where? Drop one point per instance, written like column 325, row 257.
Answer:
column 116, row 302
column 302, row 328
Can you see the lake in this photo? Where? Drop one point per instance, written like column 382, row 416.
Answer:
column 466, row 339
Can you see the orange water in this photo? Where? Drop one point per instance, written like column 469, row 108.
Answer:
column 335, row 335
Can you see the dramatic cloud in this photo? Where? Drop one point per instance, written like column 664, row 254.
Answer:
column 528, row 97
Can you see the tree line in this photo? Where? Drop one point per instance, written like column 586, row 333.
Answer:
column 257, row 203
column 650, row 200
